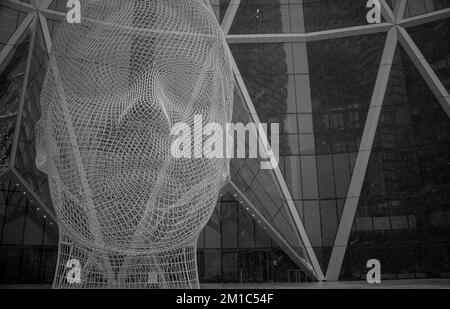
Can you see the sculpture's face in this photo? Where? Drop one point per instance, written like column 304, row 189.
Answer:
column 117, row 82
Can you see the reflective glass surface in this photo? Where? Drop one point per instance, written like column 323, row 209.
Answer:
column 245, row 253
column 332, row 14
column 261, row 188
column 268, row 16
column 10, row 19
column 403, row 214
column 435, row 48
column 27, row 240
column 418, row 7
column 26, row 152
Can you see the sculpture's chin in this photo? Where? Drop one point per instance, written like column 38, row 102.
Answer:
column 82, row 267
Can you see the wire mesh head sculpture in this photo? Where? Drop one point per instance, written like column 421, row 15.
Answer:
column 129, row 212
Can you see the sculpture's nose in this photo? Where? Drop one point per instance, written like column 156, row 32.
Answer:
column 148, row 106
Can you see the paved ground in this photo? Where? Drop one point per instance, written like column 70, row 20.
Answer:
column 386, row 284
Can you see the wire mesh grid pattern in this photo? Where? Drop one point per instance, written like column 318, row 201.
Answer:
column 128, row 210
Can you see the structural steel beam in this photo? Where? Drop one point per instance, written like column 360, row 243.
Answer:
column 308, row 37
column 399, row 11
column 36, row 197
column 424, row 18
column 387, row 12
column 229, row 15
column 14, row 39
column 362, row 161
column 19, row 6
column 428, row 74
column 45, row 32
column 279, row 177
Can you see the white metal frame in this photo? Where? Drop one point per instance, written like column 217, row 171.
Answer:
column 38, row 12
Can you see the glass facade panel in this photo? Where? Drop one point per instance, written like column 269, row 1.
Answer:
column 10, row 19
column 250, row 257
column 262, row 189
column 268, row 16
column 27, row 238
column 58, row 6
column 342, row 77
column 401, row 218
column 213, row 231
column 213, row 267
column 7, row 126
column 418, row 7
column 343, row 74
column 435, row 48
column 27, row 241
column 11, row 82
column 229, row 225
column 262, row 240
column 246, row 229
column 26, row 151
column 220, row 8
column 297, row 16
column 33, row 233
column 11, row 77
column 332, row 14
